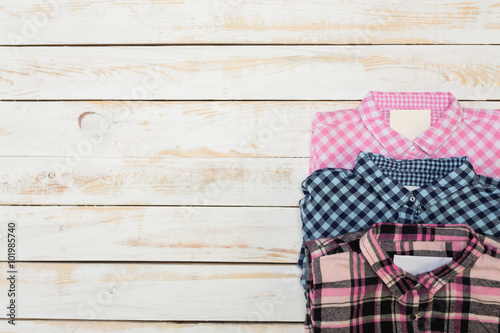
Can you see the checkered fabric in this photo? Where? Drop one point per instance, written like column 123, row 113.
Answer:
column 354, row 285
column 339, row 201
column 339, row 136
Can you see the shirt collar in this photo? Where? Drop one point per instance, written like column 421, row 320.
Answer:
column 387, row 176
column 399, row 281
column 370, row 111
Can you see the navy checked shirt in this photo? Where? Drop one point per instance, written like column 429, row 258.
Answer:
column 339, row 201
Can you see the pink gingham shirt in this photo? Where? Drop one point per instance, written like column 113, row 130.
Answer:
column 339, row 136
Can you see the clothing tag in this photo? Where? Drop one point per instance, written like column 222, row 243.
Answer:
column 420, row 264
column 411, row 188
column 410, row 123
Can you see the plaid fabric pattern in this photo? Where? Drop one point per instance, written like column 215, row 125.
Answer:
column 339, row 136
column 339, row 201
column 354, row 286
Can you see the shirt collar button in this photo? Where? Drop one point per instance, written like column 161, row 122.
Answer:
column 414, row 150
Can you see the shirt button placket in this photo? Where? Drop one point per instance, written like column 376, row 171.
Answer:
column 414, row 318
column 413, row 209
column 414, row 302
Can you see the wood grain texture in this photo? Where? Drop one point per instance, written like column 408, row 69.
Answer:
column 168, row 292
column 246, row 72
column 164, row 129
column 152, row 181
column 29, row 22
column 168, row 234
column 54, row 326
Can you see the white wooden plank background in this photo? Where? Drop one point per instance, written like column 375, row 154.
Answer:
column 161, row 234
column 245, row 72
column 152, row 181
column 246, row 22
column 152, row 151
column 144, row 291
column 35, row 326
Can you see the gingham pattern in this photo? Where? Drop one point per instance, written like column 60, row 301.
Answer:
column 339, row 201
column 339, row 136
column 354, row 286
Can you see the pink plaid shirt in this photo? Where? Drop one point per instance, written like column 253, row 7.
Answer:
column 355, row 286
column 339, row 136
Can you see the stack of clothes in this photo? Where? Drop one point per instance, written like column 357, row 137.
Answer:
column 402, row 234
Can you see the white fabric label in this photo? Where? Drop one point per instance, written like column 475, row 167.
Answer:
column 410, row 123
column 411, row 188
column 420, row 264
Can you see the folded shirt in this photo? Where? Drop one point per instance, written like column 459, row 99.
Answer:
column 338, row 136
column 354, row 285
column 445, row 190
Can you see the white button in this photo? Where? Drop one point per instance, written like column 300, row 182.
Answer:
column 413, row 148
column 412, row 199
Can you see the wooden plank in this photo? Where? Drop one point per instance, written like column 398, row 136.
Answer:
column 232, row 21
column 160, row 129
column 55, row 326
column 243, row 72
column 171, row 292
column 210, row 234
column 152, row 181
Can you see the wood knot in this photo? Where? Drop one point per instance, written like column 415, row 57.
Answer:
column 92, row 121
